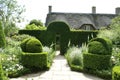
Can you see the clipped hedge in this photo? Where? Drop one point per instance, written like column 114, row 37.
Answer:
column 95, row 61
column 35, row 61
column 58, row 27
column 77, row 37
column 31, row 45
column 62, row 29
column 116, row 73
column 100, row 46
column 48, row 37
column 2, row 37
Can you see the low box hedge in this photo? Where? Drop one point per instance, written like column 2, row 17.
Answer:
column 35, row 60
column 116, row 73
column 95, row 61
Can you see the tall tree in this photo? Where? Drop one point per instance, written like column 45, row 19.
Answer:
column 10, row 12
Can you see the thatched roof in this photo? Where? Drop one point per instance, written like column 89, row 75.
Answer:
column 76, row 20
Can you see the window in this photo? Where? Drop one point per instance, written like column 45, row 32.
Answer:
column 87, row 27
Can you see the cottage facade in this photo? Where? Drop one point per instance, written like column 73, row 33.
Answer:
column 86, row 21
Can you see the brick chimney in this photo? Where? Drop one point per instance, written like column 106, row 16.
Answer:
column 93, row 10
column 49, row 9
column 117, row 11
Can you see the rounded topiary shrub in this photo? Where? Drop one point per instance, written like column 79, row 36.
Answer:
column 100, row 46
column 23, row 44
column 31, row 45
column 34, row 45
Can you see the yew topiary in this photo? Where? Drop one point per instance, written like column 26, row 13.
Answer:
column 100, row 46
column 23, row 44
column 31, row 45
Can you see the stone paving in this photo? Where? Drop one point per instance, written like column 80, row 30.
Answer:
column 59, row 71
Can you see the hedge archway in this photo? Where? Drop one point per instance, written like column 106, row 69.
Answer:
column 60, row 30
column 58, row 26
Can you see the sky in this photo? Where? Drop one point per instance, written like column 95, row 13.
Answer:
column 38, row 9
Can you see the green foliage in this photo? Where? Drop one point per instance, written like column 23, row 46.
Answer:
column 100, row 46
column 34, row 27
column 23, row 44
column 51, row 54
column 115, row 59
column 113, row 33
column 11, row 13
column 58, row 27
column 36, row 22
column 35, row 61
column 74, row 56
column 21, row 37
column 46, row 38
column 62, row 29
column 32, row 45
column 10, row 58
column 95, row 61
column 2, row 73
column 116, row 73
column 2, row 37
column 80, row 37
column 31, row 27
column 115, row 23
column 54, row 29
column 10, row 29
column 109, row 34
column 96, row 47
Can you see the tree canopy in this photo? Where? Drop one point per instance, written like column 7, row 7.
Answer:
column 35, row 25
column 36, row 22
column 10, row 13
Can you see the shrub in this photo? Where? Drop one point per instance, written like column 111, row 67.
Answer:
column 21, row 37
column 35, row 61
column 115, row 59
column 114, row 31
column 10, row 61
column 116, row 73
column 2, row 74
column 23, row 44
column 34, row 46
column 32, row 27
column 2, row 37
column 95, row 61
column 36, row 22
column 100, row 46
column 31, row 45
column 74, row 56
column 51, row 54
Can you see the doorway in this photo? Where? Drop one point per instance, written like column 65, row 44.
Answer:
column 57, row 46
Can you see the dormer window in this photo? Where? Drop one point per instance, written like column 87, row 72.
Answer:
column 87, row 27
